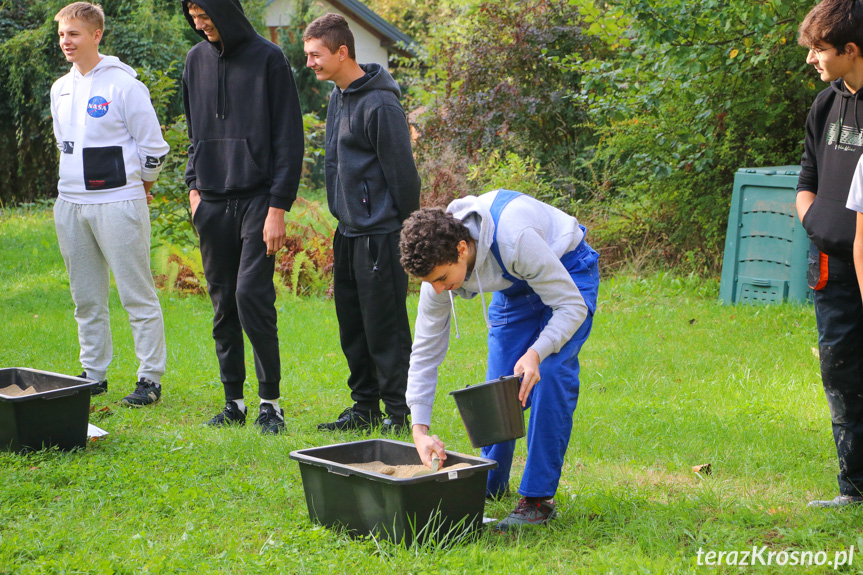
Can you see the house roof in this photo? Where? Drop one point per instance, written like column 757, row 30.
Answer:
column 391, row 37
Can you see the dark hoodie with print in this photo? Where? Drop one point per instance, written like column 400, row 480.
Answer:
column 242, row 110
column 372, row 180
column 833, row 145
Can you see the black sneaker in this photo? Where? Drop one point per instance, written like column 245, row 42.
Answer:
column 146, row 393
column 838, row 501
column 529, row 511
column 269, row 420
column 353, row 418
column 395, row 425
column 101, row 388
column 231, row 415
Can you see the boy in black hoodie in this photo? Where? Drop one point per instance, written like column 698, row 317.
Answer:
column 245, row 159
column 833, row 32
column 372, row 187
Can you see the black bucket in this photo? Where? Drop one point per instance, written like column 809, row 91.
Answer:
column 491, row 411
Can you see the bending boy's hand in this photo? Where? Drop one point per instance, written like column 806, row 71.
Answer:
column 527, row 366
column 426, row 444
column 275, row 235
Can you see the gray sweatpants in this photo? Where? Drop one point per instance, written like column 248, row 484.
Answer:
column 96, row 238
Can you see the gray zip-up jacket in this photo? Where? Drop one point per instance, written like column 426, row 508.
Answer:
column 372, row 180
column 532, row 237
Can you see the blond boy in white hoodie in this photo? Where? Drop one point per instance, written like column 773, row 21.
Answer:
column 111, row 152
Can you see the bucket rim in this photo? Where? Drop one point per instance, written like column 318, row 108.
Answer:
column 501, row 380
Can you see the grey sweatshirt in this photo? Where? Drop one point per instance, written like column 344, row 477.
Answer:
column 532, row 237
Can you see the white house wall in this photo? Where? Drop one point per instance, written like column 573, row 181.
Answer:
column 367, row 45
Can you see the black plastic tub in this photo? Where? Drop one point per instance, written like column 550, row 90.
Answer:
column 55, row 415
column 491, row 411
column 447, row 503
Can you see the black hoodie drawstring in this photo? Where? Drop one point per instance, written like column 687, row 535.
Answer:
column 842, row 108
column 857, row 134
column 228, row 206
column 222, row 97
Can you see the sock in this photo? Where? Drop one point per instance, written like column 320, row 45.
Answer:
column 241, row 404
column 275, row 404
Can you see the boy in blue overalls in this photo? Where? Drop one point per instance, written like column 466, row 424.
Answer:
column 545, row 281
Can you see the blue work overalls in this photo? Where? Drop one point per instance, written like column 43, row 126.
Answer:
column 516, row 316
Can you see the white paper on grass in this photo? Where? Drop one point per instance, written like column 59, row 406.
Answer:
column 93, row 431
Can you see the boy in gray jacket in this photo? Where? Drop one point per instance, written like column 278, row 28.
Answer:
column 372, row 187
column 545, row 281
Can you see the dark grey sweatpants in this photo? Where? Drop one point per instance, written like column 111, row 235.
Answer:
column 370, row 290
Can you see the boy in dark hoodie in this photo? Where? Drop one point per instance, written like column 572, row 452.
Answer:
column 245, row 159
column 372, row 187
column 833, row 32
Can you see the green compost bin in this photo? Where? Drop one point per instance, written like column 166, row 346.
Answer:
column 766, row 247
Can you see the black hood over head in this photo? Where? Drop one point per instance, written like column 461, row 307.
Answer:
column 229, row 19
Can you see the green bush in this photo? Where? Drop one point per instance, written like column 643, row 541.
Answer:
column 487, row 82
column 30, row 62
column 688, row 93
column 313, row 93
column 510, row 172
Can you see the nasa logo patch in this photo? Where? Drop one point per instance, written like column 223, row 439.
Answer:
column 97, row 106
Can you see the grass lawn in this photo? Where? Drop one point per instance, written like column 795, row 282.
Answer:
column 670, row 379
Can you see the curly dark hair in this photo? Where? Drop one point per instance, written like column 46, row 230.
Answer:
column 430, row 238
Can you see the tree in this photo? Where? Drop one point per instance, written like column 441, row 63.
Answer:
column 689, row 93
column 490, row 84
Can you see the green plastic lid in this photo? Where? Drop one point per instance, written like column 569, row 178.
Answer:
column 772, row 170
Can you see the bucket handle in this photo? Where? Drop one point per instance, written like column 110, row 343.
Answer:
column 62, row 393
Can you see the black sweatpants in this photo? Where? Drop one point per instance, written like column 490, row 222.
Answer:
column 370, row 291
column 839, row 314
column 240, row 281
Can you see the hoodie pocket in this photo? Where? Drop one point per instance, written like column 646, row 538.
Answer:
column 365, row 199
column 226, row 164
column 104, row 168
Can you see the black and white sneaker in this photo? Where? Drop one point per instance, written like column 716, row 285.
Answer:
column 353, row 419
column 146, row 393
column 231, row 415
column 270, row 420
column 101, row 388
column 529, row 511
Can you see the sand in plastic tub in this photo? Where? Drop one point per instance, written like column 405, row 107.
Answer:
column 400, row 471
column 15, row 391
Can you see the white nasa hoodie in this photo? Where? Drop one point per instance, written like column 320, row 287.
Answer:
column 108, row 134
